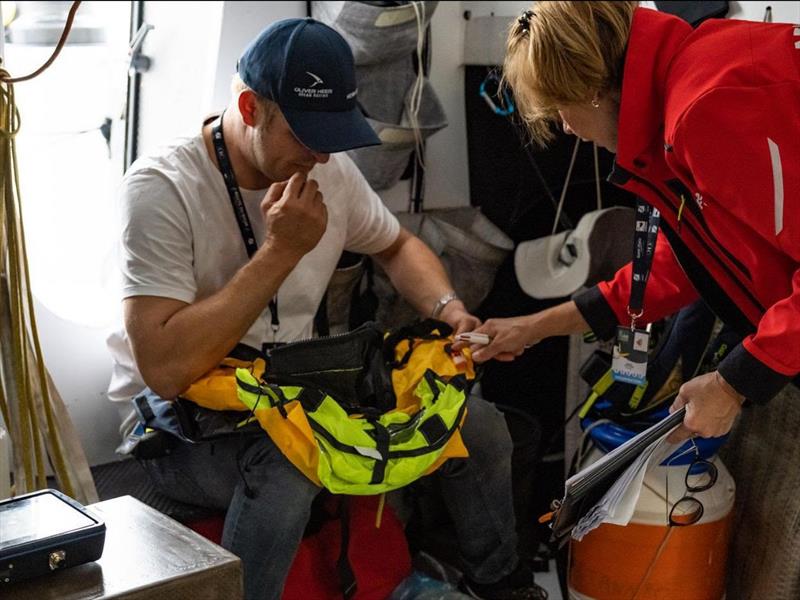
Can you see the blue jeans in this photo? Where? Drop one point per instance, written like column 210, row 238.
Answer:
column 268, row 501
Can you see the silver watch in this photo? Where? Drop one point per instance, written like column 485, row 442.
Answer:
column 442, row 302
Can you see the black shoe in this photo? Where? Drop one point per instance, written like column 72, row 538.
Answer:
column 518, row 585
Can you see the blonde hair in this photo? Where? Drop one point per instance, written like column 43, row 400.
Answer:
column 561, row 53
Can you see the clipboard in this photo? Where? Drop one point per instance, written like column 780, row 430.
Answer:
column 584, row 489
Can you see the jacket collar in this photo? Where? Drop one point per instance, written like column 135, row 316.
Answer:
column 654, row 40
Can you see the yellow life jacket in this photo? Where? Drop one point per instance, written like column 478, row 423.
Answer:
column 360, row 413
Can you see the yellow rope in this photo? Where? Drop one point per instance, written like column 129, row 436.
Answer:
column 379, row 512
column 38, row 433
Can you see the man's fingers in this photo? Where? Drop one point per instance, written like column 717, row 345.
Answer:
column 275, row 192
column 325, row 213
column 465, row 325
column 310, row 190
column 295, row 186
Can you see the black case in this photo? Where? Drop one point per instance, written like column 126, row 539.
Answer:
column 31, row 558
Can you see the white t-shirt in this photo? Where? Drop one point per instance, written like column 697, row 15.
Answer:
column 181, row 240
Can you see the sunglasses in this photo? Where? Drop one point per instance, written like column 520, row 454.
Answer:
column 700, row 476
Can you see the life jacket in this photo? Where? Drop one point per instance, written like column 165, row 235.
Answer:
column 360, row 413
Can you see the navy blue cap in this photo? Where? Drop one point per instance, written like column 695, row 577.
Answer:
column 307, row 68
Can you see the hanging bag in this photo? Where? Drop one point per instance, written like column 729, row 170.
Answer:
column 377, row 32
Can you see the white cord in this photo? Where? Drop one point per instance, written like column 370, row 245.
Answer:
column 419, row 84
column 597, row 177
column 566, row 185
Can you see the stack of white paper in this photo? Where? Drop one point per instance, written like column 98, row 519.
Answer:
column 626, row 467
column 618, row 504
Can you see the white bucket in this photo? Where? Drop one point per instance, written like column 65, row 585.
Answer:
column 648, row 555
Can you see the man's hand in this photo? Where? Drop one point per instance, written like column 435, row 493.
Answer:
column 712, row 406
column 510, row 337
column 295, row 215
column 455, row 314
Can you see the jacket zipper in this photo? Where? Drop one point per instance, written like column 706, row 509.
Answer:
column 742, row 287
column 680, row 212
column 681, row 191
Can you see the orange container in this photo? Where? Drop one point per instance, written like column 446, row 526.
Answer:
column 648, row 559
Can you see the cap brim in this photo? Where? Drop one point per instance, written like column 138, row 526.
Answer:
column 539, row 272
column 331, row 131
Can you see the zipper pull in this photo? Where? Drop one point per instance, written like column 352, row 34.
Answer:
column 680, row 211
column 547, row 517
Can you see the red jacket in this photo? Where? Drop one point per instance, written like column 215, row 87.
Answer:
column 709, row 133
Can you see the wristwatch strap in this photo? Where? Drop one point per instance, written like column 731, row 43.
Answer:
column 442, row 302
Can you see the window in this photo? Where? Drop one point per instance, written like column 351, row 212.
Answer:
column 70, row 150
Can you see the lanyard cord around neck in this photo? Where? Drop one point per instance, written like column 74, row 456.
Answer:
column 239, row 210
column 644, row 247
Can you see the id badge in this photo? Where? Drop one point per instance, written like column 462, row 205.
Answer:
column 629, row 361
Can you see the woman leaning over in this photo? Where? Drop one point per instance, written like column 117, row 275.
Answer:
column 705, row 125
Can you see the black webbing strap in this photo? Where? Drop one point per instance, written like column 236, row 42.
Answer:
column 143, row 406
column 382, row 440
column 263, row 393
column 644, row 247
column 239, row 209
column 431, row 378
column 321, row 322
column 434, row 430
column 310, row 399
column 347, row 579
column 423, row 330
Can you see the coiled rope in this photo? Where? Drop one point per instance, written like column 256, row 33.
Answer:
column 38, row 422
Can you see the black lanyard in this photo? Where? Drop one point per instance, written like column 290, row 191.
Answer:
column 644, row 247
column 239, row 210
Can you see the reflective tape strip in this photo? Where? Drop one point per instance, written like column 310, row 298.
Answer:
column 638, row 394
column 368, row 452
column 777, row 183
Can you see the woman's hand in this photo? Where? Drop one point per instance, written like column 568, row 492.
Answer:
column 509, row 338
column 712, row 406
